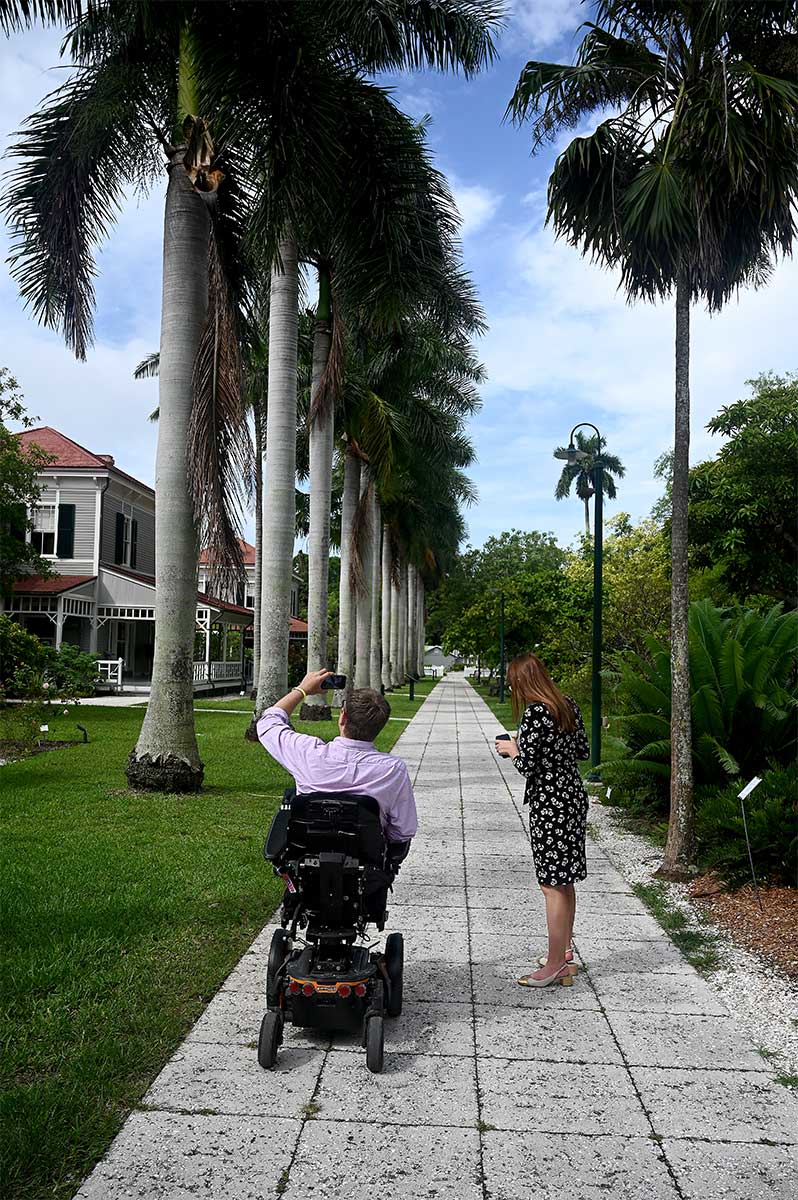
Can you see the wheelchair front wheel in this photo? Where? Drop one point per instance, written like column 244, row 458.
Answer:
column 271, row 1035
column 375, row 1043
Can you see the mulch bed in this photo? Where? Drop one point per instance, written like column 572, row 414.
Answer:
column 771, row 934
column 14, row 751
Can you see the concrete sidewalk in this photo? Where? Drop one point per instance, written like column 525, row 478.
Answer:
column 635, row 1082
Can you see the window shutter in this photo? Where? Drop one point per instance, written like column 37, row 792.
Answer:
column 134, row 535
column 65, row 546
column 18, row 522
column 119, row 543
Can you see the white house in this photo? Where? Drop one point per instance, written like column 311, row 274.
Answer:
column 95, row 524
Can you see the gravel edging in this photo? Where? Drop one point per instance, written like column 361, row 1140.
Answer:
column 764, row 1003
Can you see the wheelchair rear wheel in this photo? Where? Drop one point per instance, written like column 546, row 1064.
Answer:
column 375, row 1043
column 278, row 952
column 394, row 965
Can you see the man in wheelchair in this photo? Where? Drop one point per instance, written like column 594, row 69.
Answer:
column 349, row 764
column 337, row 841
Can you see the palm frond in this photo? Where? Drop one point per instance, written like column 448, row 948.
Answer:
column 149, row 367
column 220, row 450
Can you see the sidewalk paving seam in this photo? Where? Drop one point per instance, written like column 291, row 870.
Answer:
column 480, row 1123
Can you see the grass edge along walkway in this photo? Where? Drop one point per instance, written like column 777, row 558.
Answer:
column 122, row 915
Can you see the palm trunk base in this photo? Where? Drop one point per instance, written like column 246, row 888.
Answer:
column 315, row 712
column 251, row 731
column 674, row 874
column 163, row 774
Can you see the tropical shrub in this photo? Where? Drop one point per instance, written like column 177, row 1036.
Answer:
column 744, row 700
column 29, row 669
column 772, row 818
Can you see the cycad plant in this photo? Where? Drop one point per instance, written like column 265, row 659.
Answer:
column 743, row 699
column 581, row 473
column 689, row 187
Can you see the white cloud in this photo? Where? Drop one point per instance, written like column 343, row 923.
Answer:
column 475, row 203
column 564, row 346
column 540, row 24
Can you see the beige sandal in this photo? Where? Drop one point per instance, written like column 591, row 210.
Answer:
column 562, row 976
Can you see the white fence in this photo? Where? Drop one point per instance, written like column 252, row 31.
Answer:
column 109, row 670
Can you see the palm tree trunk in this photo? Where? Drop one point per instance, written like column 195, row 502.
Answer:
column 166, row 757
column 279, row 471
column 387, row 592
column 587, row 516
column 257, row 413
column 363, row 624
column 412, row 639
column 346, row 599
column 679, row 845
column 321, row 461
column 421, row 637
column 396, row 630
column 375, row 664
column 402, row 672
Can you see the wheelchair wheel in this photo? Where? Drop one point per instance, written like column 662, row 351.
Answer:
column 375, row 1043
column 271, row 1035
column 394, row 964
column 278, row 952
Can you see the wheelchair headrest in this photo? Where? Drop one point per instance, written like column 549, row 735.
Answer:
column 335, row 821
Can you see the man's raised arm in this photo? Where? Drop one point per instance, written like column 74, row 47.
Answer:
column 288, row 747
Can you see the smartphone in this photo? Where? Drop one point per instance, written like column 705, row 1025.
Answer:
column 503, row 737
column 333, row 681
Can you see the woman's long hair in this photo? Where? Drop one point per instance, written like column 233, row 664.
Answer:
column 531, row 684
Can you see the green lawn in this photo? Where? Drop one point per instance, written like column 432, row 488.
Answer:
column 122, row 915
column 398, row 698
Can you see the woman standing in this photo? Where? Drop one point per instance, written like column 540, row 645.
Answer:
column 551, row 737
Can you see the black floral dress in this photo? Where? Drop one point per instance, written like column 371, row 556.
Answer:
column 555, row 794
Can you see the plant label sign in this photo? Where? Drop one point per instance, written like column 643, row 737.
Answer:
column 44, row 729
column 749, row 787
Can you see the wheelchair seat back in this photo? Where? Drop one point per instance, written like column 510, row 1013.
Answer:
column 331, row 847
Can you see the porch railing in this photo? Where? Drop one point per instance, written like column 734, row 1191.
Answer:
column 213, row 671
column 109, row 670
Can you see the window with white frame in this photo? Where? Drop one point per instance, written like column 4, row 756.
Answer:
column 250, row 600
column 42, row 534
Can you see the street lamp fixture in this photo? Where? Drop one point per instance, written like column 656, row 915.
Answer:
column 573, row 455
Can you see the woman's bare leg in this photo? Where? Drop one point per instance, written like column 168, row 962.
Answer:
column 558, row 919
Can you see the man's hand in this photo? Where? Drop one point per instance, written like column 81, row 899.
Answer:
column 312, row 682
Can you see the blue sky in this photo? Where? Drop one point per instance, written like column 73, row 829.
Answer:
column 563, row 345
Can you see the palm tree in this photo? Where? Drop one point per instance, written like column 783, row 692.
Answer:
column 690, row 188
column 581, row 473
column 138, row 79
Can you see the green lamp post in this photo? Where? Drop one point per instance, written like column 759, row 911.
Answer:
column 501, row 650
column 573, row 455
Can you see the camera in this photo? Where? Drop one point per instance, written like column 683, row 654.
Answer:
column 338, row 682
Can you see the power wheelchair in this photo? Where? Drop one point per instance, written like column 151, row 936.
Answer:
column 330, row 851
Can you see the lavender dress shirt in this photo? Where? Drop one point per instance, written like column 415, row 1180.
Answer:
column 343, row 765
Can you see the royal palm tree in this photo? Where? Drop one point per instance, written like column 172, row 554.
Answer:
column 689, row 187
column 582, row 473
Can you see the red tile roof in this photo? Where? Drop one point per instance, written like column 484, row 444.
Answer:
column 296, row 625
column 247, row 553
column 35, row 585
column 66, row 453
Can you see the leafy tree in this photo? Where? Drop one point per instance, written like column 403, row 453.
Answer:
column 582, row 473
column 689, row 187
column 743, row 503
column 19, row 488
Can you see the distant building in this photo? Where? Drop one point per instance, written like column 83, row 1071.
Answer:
column 435, row 657
column 95, row 524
